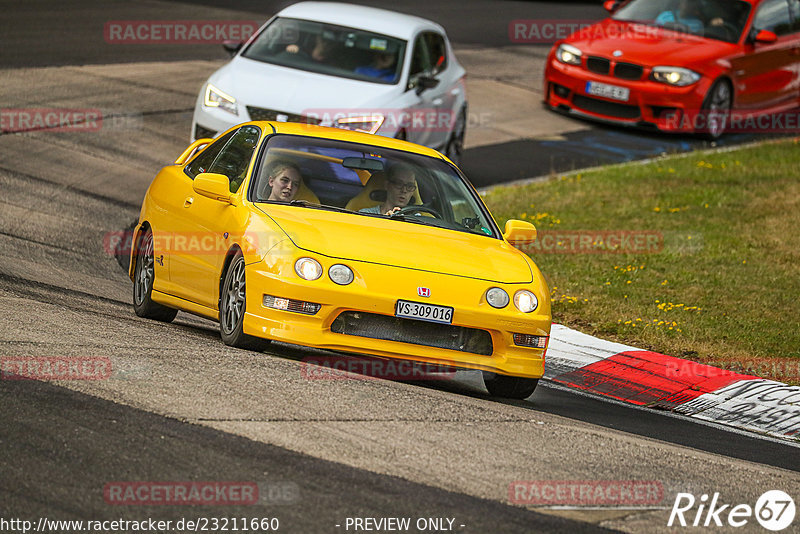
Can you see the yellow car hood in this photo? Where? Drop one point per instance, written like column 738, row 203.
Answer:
column 347, row 236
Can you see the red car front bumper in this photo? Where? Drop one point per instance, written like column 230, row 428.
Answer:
column 649, row 103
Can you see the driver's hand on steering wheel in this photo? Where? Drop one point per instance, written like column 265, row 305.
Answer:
column 392, row 211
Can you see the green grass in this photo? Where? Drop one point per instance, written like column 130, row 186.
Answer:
column 725, row 286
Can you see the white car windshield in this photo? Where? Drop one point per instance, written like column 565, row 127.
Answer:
column 329, row 49
column 368, row 181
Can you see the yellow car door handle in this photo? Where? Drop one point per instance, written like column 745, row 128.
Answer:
column 188, row 202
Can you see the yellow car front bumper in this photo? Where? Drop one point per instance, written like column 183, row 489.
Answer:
column 371, row 300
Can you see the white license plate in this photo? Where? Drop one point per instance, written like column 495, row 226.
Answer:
column 609, row 91
column 426, row 312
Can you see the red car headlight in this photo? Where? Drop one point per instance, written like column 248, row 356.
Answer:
column 568, row 54
column 677, row 76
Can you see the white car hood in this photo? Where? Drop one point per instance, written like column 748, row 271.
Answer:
column 255, row 83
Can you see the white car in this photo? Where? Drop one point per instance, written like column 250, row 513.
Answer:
column 343, row 65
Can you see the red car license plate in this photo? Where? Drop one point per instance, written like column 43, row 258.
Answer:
column 609, row 91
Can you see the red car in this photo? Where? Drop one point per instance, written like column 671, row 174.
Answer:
column 681, row 65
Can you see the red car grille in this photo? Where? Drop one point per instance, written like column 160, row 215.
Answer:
column 626, row 71
column 600, row 65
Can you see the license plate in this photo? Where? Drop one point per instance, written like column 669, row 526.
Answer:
column 609, row 91
column 425, row 312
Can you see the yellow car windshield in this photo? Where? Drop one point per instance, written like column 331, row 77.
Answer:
column 368, row 181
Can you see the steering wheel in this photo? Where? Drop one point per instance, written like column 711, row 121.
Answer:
column 419, row 208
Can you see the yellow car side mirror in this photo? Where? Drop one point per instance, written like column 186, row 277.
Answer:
column 519, row 233
column 213, row 185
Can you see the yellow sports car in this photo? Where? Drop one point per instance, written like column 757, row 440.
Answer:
column 341, row 240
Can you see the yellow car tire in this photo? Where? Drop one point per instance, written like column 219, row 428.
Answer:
column 143, row 280
column 510, row 387
column 232, row 307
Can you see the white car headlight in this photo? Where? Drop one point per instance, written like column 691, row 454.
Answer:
column 568, row 54
column 215, row 98
column 676, row 76
column 341, row 274
column 367, row 124
column 497, row 298
column 525, row 301
column 308, row 268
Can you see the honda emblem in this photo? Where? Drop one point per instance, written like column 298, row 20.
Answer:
column 423, row 292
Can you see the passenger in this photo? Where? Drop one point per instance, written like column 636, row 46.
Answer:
column 323, row 49
column 688, row 15
column 383, row 67
column 284, row 180
column 321, row 53
column 400, row 187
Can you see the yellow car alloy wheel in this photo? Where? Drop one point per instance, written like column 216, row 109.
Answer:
column 144, row 277
column 232, row 307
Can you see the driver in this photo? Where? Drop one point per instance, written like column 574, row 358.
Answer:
column 284, row 181
column 689, row 14
column 400, row 187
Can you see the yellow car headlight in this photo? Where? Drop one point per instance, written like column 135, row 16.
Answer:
column 308, row 268
column 497, row 298
column 525, row 301
column 341, row 274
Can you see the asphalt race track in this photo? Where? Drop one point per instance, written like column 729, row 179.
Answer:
column 69, row 443
column 180, row 406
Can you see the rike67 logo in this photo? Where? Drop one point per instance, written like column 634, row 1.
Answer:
column 774, row 510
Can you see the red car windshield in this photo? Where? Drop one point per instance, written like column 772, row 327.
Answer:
column 723, row 20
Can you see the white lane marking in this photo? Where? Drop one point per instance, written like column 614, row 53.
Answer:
column 569, row 349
